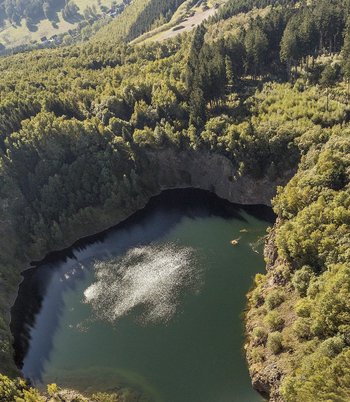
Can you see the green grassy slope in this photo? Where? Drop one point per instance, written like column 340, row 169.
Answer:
column 24, row 30
column 186, row 18
column 138, row 18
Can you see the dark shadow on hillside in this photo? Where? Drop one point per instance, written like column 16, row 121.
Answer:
column 53, row 18
column 33, row 18
column 73, row 19
column 31, row 26
column 52, row 12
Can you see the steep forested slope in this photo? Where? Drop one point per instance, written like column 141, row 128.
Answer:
column 78, row 125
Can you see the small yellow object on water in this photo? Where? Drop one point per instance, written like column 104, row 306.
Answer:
column 234, row 242
column 243, row 230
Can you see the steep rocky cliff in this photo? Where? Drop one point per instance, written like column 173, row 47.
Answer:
column 215, row 173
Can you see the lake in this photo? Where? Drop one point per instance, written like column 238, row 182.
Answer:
column 155, row 303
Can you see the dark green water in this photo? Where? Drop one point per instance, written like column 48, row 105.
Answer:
column 161, row 311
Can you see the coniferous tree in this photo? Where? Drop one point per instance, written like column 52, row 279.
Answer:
column 346, row 58
column 256, row 46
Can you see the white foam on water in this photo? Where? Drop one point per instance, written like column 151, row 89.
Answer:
column 149, row 281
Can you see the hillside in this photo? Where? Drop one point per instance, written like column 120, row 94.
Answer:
column 263, row 84
column 188, row 16
column 142, row 16
column 38, row 23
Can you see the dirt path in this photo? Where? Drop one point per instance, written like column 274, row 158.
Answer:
column 187, row 25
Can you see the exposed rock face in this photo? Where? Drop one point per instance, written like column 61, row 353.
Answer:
column 212, row 172
column 270, row 250
column 265, row 382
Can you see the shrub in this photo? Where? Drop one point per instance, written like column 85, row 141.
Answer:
column 17, row 390
column 259, row 336
column 332, row 347
column 52, row 389
column 302, row 328
column 274, row 321
column 303, row 308
column 256, row 354
column 256, row 298
column 274, row 342
column 301, row 280
column 274, row 299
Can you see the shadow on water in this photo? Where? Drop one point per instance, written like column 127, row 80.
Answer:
column 62, row 270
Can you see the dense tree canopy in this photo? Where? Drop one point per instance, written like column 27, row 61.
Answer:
column 77, row 125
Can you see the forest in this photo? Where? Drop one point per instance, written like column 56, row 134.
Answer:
column 270, row 92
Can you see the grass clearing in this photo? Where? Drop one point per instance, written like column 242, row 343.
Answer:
column 184, row 20
column 12, row 36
